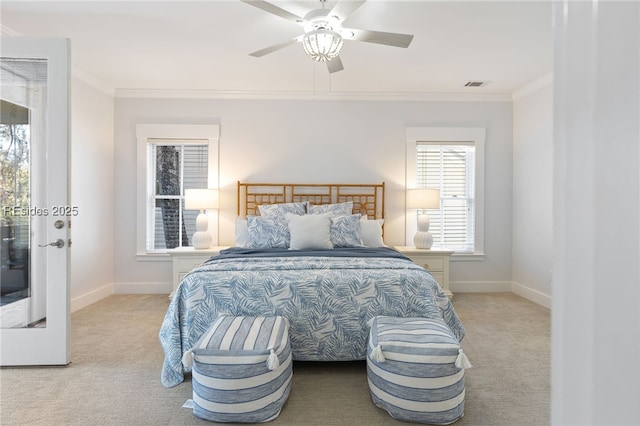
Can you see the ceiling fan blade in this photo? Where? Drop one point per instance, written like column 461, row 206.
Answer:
column 271, row 49
column 275, row 10
column 344, row 8
column 379, row 37
column 335, row 65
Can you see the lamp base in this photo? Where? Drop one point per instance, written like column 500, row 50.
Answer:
column 201, row 240
column 423, row 240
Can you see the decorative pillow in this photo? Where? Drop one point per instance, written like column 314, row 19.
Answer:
column 309, row 231
column 282, row 209
column 242, row 233
column 345, row 231
column 339, row 209
column 371, row 232
column 268, row 232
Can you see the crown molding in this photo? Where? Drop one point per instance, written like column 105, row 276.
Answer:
column 307, row 95
column 92, row 80
column 535, row 85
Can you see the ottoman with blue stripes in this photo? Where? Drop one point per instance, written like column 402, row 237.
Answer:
column 241, row 369
column 415, row 370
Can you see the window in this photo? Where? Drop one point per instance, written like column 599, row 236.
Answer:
column 450, row 159
column 450, row 168
column 173, row 166
column 172, row 158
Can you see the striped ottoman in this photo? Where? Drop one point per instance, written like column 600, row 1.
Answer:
column 415, row 369
column 241, row 369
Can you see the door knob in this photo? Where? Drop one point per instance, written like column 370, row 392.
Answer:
column 57, row 243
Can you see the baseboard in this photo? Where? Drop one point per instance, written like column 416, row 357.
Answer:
column 456, row 287
column 480, row 286
column 531, row 294
column 143, row 288
column 528, row 293
column 90, row 298
column 96, row 295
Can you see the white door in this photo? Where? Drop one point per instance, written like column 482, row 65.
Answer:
column 36, row 213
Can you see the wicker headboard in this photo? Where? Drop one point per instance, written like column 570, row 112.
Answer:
column 367, row 198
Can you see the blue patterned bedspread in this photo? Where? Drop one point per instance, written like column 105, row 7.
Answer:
column 328, row 298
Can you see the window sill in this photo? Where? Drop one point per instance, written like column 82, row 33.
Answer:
column 465, row 257
column 153, row 257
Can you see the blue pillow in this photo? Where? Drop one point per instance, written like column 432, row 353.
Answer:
column 282, row 209
column 268, row 232
column 345, row 231
column 339, row 209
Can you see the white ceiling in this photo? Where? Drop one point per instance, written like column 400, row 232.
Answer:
column 203, row 46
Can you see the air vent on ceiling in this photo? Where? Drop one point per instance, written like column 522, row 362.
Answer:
column 476, row 83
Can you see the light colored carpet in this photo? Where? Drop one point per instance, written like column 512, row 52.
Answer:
column 114, row 377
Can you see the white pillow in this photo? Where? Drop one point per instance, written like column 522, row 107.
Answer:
column 242, row 233
column 371, row 232
column 309, row 231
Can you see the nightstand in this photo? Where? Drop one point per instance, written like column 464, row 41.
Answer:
column 434, row 260
column 187, row 258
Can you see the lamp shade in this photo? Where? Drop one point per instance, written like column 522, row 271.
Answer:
column 200, row 199
column 423, row 198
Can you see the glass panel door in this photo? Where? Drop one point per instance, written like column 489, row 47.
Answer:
column 34, row 218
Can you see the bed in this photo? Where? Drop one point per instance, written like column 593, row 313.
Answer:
column 315, row 255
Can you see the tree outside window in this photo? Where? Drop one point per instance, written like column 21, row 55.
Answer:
column 174, row 167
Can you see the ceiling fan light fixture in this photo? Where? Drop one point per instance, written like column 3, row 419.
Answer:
column 322, row 45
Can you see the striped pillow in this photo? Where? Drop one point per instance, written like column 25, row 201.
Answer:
column 242, row 369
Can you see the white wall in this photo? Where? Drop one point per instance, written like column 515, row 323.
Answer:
column 92, row 191
column 533, row 194
column 317, row 141
column 595, row 375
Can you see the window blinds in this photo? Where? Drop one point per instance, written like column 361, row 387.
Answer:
column 449, row 166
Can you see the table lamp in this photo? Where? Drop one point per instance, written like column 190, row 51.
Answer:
column 421, row 199
column 201, row 199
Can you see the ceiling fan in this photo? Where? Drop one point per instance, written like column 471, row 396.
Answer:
column 324, row 34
